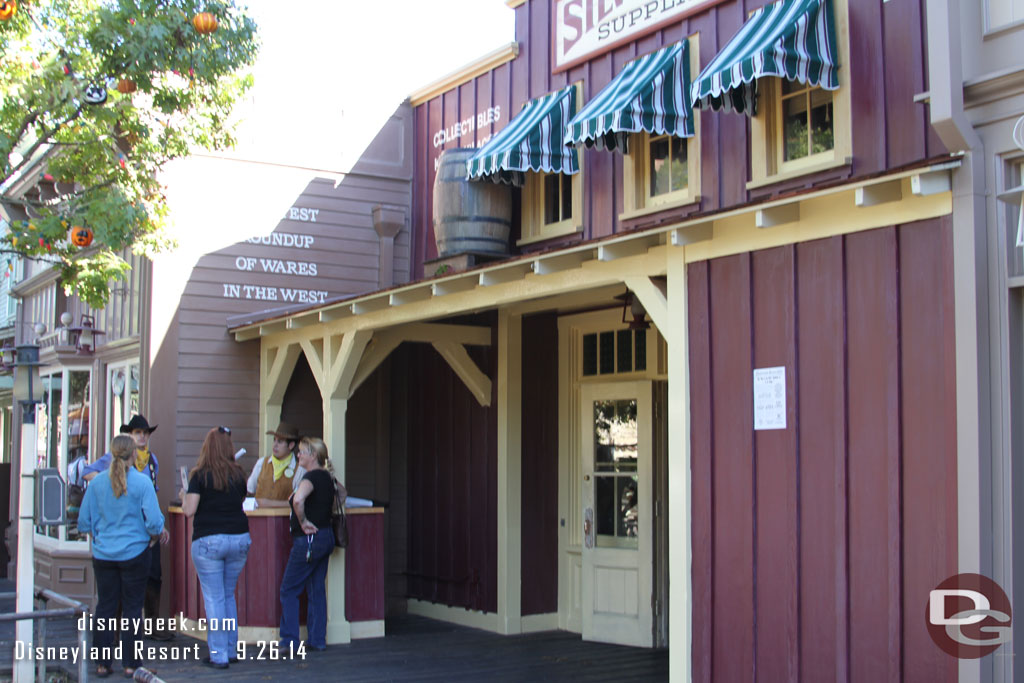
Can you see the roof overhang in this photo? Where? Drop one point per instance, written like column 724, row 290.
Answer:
column 578, row 276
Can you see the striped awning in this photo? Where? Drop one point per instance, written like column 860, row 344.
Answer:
column 649, row 94
column 792, row 39
column 532, row 141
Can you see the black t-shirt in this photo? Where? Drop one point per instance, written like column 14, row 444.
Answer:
column 318, row 504
column 219, row 512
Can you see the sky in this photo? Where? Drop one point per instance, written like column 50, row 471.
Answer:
column 330, row 72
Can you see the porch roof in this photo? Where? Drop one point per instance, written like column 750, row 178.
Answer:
column 526, row 272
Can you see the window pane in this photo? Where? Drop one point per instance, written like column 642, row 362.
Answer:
column 607, row 353
column 640, row 354
column 551, row 203
column 589, row 354
column 794, row 121
column 78, row 442
column 566, row 197
column 626, row 526
column 680, row 171
column 133, row 389
column 660, row 170
column 615, row 436
column 822, row 139
column 625, row 351
column 604, row 505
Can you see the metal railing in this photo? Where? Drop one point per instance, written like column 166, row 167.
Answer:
column 72, row 609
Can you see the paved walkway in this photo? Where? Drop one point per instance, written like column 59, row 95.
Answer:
column 415, row 649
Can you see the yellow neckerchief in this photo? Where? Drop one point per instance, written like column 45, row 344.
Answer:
column 141, row 459
column 280, row 465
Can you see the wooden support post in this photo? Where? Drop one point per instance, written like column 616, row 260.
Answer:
column 680, row 578
column 338, row 628
column 510, row 328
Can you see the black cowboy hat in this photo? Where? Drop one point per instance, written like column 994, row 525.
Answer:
column 285, row 431
column 137, row 422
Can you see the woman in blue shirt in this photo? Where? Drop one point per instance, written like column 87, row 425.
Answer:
column 121, row 512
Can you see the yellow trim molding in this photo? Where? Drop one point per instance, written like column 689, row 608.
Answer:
column 467, row 73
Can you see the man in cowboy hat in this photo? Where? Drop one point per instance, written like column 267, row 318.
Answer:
column 146, row 463
column 274, row 483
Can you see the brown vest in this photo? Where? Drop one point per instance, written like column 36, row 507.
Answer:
column 266, row 487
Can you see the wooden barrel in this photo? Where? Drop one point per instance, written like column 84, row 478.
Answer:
column 469, row 216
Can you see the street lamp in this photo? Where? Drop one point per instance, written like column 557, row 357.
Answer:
column 27, row 391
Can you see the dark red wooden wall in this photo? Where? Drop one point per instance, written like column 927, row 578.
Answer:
column 452, row 477
column 539, row 559
column 815, row 547
column 886, row 68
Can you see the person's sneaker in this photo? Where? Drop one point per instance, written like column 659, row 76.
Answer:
column 214, row 665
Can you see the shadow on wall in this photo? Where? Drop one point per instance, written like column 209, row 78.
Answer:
column 342, row 235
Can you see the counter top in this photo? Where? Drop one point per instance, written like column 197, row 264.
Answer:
column 283, row 512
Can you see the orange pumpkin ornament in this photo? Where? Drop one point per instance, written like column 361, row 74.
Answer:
column 205, row 22
column 80, row 235
column 7, row 9
column 126, row 86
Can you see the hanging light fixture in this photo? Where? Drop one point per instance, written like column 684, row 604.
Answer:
column 7, row 356
column 632, row 308
column 83, row 337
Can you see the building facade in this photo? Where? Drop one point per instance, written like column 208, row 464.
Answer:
column 726, row 356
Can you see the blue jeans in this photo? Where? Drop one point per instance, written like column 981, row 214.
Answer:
column 312, row 575
column 218, row 560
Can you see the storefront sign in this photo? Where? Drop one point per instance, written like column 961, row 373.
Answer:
column 466, row 127
column 584, row 28
column 277, row 266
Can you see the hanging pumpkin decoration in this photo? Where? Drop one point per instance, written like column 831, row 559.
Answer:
column 205, row 22
column 7, row 9
column 80, row 235
column 126, row 86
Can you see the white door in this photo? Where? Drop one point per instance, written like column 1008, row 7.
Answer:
column 617, row 522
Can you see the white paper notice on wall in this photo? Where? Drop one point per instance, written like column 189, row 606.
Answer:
column 770, row 398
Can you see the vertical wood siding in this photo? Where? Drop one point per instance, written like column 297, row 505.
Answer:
column 452, row 479
column 815, row 546
column 886, row 68
column 539, row 560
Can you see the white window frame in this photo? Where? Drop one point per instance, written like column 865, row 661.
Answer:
column 44, row 540
column 1013, row 9
column 113, row 422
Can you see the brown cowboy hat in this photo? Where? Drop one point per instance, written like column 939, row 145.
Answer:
column 285, row 431
column 137, row 422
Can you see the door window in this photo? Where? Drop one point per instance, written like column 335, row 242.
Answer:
column 616, row 495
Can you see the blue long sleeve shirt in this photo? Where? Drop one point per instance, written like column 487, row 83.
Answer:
column 120, row 527
column 103, row 464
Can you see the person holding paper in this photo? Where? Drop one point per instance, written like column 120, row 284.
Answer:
column 276, row 476
column 220, row 539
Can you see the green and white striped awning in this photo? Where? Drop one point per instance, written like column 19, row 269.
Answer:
column 792, row 39
column 532, row 141
column 649, row 94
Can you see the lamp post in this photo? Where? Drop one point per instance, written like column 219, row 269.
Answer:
column 27, row 391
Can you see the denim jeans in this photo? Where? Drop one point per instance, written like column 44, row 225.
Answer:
column 120, row 582
column 219, row 559
column 312, row 575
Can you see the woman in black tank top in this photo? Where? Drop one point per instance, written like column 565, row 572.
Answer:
column 312, row 545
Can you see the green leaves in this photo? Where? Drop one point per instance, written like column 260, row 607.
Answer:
column 66, row 162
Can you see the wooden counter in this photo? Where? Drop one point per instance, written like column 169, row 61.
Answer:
column 359, row 568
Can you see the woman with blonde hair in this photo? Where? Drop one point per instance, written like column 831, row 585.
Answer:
column 220, row 539
column 121, row 511
column 312, row 545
